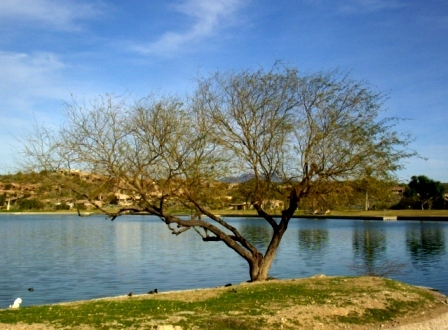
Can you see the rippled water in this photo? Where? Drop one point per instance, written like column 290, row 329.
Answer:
column 68, row 258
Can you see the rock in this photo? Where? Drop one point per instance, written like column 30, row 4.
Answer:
column 318, row 276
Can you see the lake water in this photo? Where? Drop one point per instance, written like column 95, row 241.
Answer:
column 68, row 258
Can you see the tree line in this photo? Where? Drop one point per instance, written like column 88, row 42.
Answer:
column 420, row 193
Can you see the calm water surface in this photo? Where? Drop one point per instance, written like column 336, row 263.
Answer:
column 68, row 258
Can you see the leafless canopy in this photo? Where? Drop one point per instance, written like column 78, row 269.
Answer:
column 290, row 133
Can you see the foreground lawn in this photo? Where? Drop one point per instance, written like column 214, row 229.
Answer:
column 327, row 302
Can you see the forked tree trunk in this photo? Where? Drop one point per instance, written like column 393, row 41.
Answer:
column 259, row 270
column 259, row 267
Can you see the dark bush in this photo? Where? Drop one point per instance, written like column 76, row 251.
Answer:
column 62, row 206
column 30, row 204
column 80, row 206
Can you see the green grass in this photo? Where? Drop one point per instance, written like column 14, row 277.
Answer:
column 349, row 213
column 337, row 213
column 247, row 306
column 380, row 213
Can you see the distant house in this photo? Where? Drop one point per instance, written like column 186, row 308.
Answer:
column 123, row 199
column 272, row 204
column 240, row 206
column 398, row 190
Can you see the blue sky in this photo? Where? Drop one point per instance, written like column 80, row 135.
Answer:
column 50, row 50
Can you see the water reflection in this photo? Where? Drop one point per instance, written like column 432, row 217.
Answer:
column 424, row 243
column 312, row 246
column 313, row 239
column 369, row 246
column 72, row 258
column 257, row 233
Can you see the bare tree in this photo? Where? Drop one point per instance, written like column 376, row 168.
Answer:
column 291, row 134
column 305, row 132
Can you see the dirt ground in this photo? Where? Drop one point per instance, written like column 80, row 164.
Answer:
column 314, row 316
column 311, row 313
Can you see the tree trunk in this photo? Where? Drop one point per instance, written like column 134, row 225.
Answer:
column 260, row 265
column 367, row 201
column 259, row 270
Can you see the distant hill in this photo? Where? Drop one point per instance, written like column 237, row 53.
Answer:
column 238, row 179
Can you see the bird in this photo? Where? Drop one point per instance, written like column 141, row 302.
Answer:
column 16, row 304
column 130, row 294
column 30, row 289
column 154, row 291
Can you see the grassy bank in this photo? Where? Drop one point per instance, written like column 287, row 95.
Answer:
column 351, row 213
column 327, row 302
column 333, row 213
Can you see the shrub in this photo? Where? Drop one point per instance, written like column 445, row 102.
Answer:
column 30, row 204
column 62, row 206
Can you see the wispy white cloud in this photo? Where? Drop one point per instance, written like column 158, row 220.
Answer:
column 61, row 14
column 30, row 85
column 27, row 74
column 208, row 17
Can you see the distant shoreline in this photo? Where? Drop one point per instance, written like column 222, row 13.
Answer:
column 390, row 215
